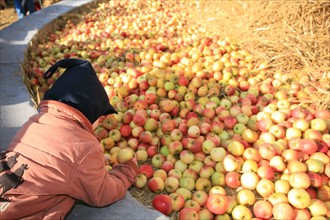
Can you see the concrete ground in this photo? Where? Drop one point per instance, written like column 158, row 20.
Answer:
column 16, row 106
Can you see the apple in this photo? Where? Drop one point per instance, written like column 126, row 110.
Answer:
column 217, row 203
column 232, row 179
column 265, row 124
column 185, row 193
column 100, row 132
column 299, row 198
column 278, row 197
column 317, row 208
column 188, row 214
column 283, row 211
column 251, row 154
column 316, row 179
column 147, row 170
column 157, row 160
column 263, row 209
column 145, row 137
column 139, row 118
column 301, row 214
column 141, row 155
column 194, row 145
column 194, row 131
column 217, row 190
column 312, row 134
column 141, row 181
column 190, row 173
column 110, row 122
column 245, row 197
column 115, row 135
column 241, row 212
column 282, row 186
column 293, row 132
column 156, row 184
column 230, row 163
column 125, row 130
column 192, row 204
column 177, row 201
column 296, row 166
column 160, row 173
column 230, row 122
column 176, row 134
column 249, row 180
column 325, row 159
column 152, row 151
column 277, row 163
column 171, row 184
column 207, row 146
column 151, row 124
column 175, row 147
column 265, row 172
column 267, row 151
column 196, row 165
column 187, row 182
column 187, row 156
column 164, row 150
column 217, row 154
column 205, row 214
column 308, row 146
column 180, row 165
column 218, row 179
column 162, row 203
column 133, row 143
column 124, row 155
column 249, row 165
column 314, row 165
column 236, row 148
column 216, row 127
column 136, row 130
column 203, row 184
column 323, row 193
column 265, row 188
column 318, row 124
column 200, row 197
column 300, row 180
column 175, row 173
column 301, row 123
column 155, row 114
column 277, row 130
column 206, row 171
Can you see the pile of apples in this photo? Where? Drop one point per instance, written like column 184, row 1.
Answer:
column 217, row 135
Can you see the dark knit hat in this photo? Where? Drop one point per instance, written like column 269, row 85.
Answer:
column 80, row 88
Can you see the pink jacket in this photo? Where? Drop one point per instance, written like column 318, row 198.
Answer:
column 62, row 161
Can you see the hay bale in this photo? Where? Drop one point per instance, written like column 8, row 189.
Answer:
column 293, row 37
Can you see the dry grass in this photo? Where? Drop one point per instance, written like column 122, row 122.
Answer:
column 292, row 36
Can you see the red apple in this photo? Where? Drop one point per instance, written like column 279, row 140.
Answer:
column 188, row 214
column 283, row 211
column 263, row 209
column 233, row 179
column 162, row 203
column 156, row 184
column 217, row 203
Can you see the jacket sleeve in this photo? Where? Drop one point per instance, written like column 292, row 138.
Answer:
column 94, row 185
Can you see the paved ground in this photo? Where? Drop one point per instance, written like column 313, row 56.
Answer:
column 16, row 106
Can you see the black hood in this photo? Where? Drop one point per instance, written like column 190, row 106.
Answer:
column 80, row 88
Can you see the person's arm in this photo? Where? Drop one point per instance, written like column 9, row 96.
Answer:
column 94, row 185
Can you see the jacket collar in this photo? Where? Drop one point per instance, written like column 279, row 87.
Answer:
column 57, row 107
